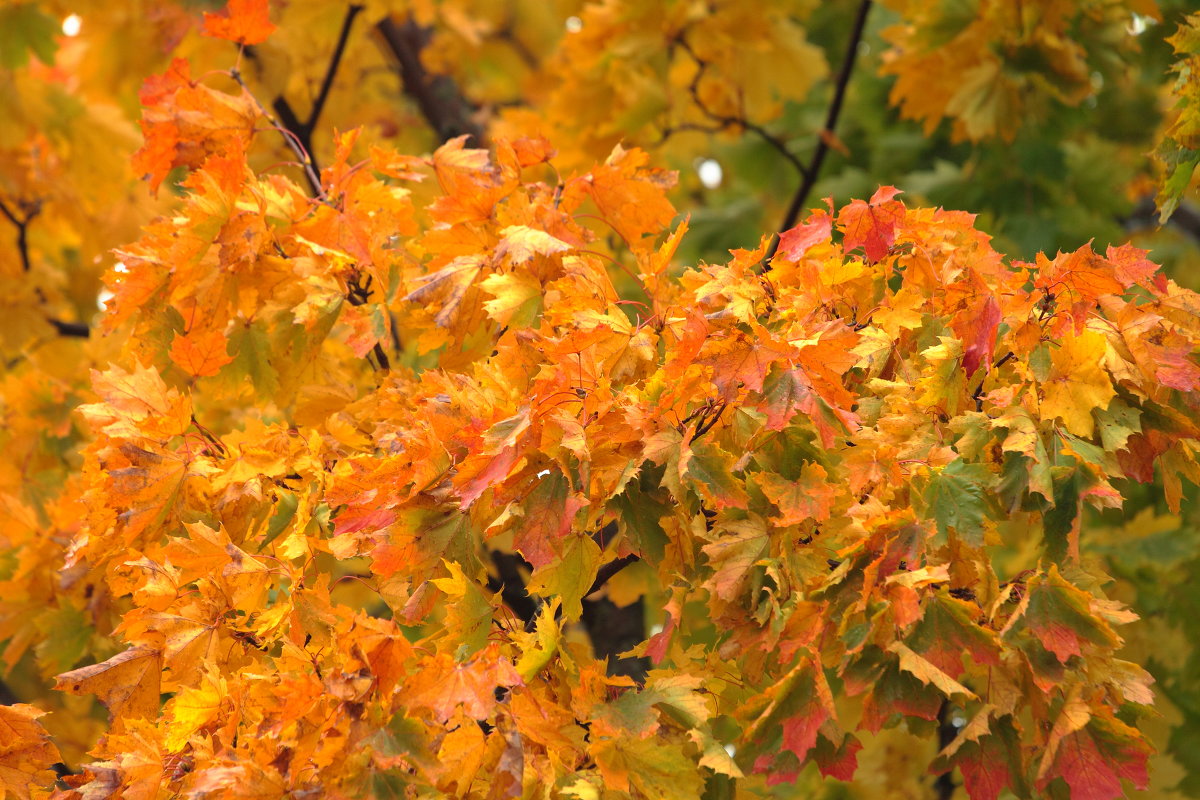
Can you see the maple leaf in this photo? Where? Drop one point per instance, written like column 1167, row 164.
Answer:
column 186, row 643
column 569, row 575
column 630, row 197
column 743, row 360
column 1077, row 383
column 795, row 242
column 1082, row 275
column 893, row 693
column 185, row 123
column 26, row 751
column 798, row 713
column 955, row 496
column 193, row 708
column 137, row 403
column 470, row 615
column 520, row 243
column 241, row 21
column 127, row 683
column 442, row 686
column 200, row 353
column 1093, row 753
column 1060, row 615
column 810, row 496
column 987, row 752
column 737, row 548
column 977, row 327
column 928, row 673
column 949, row 629
column 872, row 226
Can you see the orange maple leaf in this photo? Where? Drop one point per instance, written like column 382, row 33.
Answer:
column 241, row 21
column 872, row 226
column 200, row 353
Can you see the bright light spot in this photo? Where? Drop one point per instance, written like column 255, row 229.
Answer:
column 864, row 48
column 574, row 24
column 958, row 720
column 730, row 749
column 1137, row 25
column 120, row 267
column 655, row 630
column 1097, row 81
column 710, row 173
column 103, row 298
column 72, row 25
column 543, row 473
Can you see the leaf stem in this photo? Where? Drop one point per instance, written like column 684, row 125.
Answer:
column 293, row 141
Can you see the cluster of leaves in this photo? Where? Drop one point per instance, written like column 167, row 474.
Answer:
column 1179, row 150
column 370, row 450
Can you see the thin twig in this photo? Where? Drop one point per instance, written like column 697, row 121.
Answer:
column 730, row 122
column 288, row 118
column 330, row 71
column 977, row 395
column 826, row 133
column 297, row 147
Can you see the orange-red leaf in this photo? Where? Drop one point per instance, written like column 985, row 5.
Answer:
column 872, row 226
column 200, row 353
column 241, row 21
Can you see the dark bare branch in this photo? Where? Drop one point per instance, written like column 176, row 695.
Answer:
column 78, row 330
column 335, row 61
column 827, row 132
column 441, row 101
column 22, row 225
column 608, row 570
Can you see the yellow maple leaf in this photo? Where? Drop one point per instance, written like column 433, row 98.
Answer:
column 26, row 751
column 1077, row 383
column 128, row 683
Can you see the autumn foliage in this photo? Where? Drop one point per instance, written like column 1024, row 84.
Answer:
column 370, row 447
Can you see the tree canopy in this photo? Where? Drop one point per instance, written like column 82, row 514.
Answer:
column 609, row 400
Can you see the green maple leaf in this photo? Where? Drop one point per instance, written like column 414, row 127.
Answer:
column 24, row 28
column 955, row 498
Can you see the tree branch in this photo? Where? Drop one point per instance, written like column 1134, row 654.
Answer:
column 826, row 133
column 731, row 122
column 293, row 141
column 511, row 586
column 335, row 61
column 438, row 96
column 22, row 225
column 944, row 786
column 359, row 295
column 608, row 570
column 79, row 330
column 288, row 119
